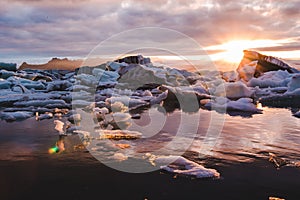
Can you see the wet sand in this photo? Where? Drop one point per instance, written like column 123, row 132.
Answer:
column 27, row 171
column 43, row 179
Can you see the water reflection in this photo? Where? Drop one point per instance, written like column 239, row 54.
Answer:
column 59, row 146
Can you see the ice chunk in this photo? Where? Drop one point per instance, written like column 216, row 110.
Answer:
column 8, row 66
column 10, row 99
column 4, row 84
column 6, row 74
column 87, row 79
column 37, row 85
column 271, row 79
column 114, row 66
column 103, row 76
column 294, row 83
column 230, row 76
column 244, row 105
column 159, row 98
column 181, row 165
column 40, row 103
column 44, row 116
column 58, row 85
column 222, row 104
column 75, row 118
column 80, row 103
column 13, row 116
column 59, row 126
column 119, row 157
column 287, row 99
column 130, row 102
column 247, row 71
column 119, row 134
column 297, row 114
column 234, row 90
column 121, row 117
column 118, row 107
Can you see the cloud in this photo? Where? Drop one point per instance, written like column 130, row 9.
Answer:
column 74, row 27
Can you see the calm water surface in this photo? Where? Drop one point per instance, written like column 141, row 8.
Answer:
column 239, row 139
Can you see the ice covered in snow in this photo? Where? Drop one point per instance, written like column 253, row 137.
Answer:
column 183, row 166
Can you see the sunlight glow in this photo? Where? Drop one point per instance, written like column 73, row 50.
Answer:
column 232, row 51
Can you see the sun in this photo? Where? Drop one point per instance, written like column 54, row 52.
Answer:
column 232, row 51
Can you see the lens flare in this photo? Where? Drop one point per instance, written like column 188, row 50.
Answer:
column 53, row 150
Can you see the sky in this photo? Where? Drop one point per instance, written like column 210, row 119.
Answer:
column 40, row 29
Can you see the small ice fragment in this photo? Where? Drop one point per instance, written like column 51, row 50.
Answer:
column 59, row 125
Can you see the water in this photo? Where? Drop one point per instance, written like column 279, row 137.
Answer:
column 239, row 140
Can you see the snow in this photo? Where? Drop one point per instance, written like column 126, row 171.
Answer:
column 183, row 166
